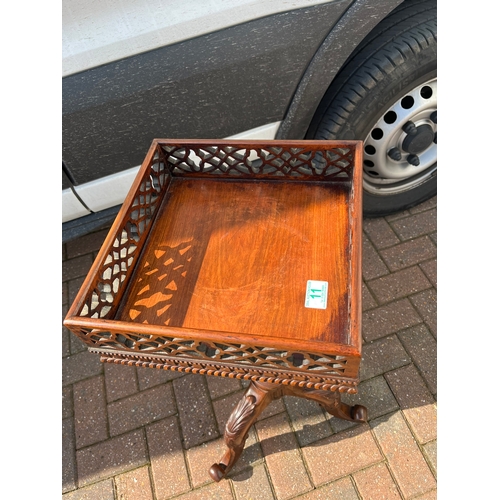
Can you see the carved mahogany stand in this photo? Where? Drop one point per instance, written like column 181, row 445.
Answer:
column 254, row 402
column 237, row 260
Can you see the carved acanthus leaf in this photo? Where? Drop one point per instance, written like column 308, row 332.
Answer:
column 240, row 416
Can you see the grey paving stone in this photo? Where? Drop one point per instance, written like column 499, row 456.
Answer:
column 197, row 418
column 67, row 401
column 167, row 458
column 254, row 486
column 140, row 409
column 134, row 485
column 77, row 267
column 89, row 402
column 111, row 457
column 66, row 348
column 308, row 420
column 373, row 265
column 74, row 286
column 80, row 366
column 416, row 401
column 368, row 301
column 68, row 455
column 382, row 321
column 86, row 244
column 76, row 345
column 220, row 386
column 286, row 468
column 102, row 490
column 150, row 377
column 431, row 454
column 121, row 381
column 399, row 284
column 422, row 347
column 380, row 233
column 376, row 482
column 343, row 489
column 409, row 253
column 426, row 304
column 416, row 225
column 430, row 270
column 430, row 495
column 381, row 356
column 323, row 457
column 213, row 491
column 408, row 465
column 388, row 319
column 65, row 294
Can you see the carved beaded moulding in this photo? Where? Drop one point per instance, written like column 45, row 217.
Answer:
column 325, row 382
column 94, row 316
column 265, row 364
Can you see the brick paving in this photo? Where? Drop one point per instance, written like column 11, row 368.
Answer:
column 141, row 434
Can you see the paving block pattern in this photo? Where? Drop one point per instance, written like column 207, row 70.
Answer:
column 143, row 434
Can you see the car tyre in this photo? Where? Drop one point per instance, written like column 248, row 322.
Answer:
column 386, row 96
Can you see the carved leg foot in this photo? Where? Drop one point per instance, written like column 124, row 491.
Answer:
column 356, row 413
column 255, row 400
column 332, row 403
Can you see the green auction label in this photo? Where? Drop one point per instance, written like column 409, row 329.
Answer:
column 316, row 294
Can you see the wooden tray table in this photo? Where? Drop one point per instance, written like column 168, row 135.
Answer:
column 240, row 260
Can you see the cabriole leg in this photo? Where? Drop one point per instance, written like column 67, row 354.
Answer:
column 255, row 400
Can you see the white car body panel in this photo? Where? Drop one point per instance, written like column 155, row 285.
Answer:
column 97, row 32
column 71, row 206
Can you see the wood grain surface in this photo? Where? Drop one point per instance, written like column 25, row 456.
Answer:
column 235, row 256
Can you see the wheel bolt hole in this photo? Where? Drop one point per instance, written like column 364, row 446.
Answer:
column 370, row 150
column 390, row 117
column 368, row 163
column 426, row 92
column 377, row 133
column 407, row 102
column 372, row 172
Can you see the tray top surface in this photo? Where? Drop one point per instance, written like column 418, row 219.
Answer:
column 236, row 256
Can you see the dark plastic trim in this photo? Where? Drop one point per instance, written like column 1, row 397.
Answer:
column 356, row 23
column 77, row 228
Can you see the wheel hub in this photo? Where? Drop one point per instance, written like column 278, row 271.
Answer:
column 400, row 151
column 419, row 141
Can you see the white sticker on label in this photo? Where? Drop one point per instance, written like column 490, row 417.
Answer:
column 316, row 294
